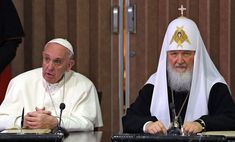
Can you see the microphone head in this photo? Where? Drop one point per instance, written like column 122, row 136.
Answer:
column 62, row 106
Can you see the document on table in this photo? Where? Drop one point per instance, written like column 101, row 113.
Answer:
column 224, row 133
column 27, row 131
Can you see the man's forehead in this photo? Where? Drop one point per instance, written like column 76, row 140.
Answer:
column 53, row 56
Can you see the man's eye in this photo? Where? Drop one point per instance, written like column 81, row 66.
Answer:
column 187, row 54
column 57, row 62
column 46, row 59
column 173, row 54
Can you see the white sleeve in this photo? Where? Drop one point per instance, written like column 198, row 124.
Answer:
column 9, row 109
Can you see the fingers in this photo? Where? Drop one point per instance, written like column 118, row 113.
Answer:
column 42, row 110
column 37, row 119
column 39, row 109
column 190, row 128
column 30, row 120
column 155, row 127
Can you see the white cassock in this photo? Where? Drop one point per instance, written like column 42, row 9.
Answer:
column 30, row 90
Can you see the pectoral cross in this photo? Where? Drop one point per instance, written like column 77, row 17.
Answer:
column 181, row 9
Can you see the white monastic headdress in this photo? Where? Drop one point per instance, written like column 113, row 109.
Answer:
column 183, row 34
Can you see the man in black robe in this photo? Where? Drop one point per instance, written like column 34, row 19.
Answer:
column 11, row 32
column 187, row 92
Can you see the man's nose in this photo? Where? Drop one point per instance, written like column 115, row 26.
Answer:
column 180, row 59
column 50, row 65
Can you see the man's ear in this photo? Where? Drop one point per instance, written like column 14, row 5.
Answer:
column 70, row 64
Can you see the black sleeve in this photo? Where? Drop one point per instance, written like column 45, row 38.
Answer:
column 7, row 52
column 10, row 25
column 139, row 112
column 221, row 109
column 11, row 32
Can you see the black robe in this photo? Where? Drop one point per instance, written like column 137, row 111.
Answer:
column 11, row 32
column 221, row 110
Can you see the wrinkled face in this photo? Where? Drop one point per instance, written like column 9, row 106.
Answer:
column 181, row 60
column 56, row 62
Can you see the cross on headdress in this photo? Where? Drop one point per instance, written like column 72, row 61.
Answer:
column 182, row 10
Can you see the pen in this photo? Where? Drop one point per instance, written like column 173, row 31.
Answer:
column 22, row 118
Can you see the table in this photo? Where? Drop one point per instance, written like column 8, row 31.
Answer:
column 99, row 136
column 166, row 138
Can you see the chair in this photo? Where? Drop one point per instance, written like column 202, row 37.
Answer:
column 5, row 78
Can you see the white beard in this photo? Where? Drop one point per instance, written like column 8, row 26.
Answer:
column 179, row 81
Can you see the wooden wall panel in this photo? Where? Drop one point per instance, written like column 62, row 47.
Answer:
column 18, row 62
column 152, row 30
column 224, row 40
column 203, row 23
column 94, row 31
column 81, row 16
column 50, row 21
column 103, row 66
column 100, row 59
column 114, row 95
column 72, row 25
column 38, row 20
column 194, row 10
column 163, row 21
column 28, row 28
column 60, row 17
column 214, row 48
column 231, row 54
column 138, row 44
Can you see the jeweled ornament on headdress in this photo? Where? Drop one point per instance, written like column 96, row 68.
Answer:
column 180, row 37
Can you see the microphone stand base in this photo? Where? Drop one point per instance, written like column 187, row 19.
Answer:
column 61, row 131
column 174, row 131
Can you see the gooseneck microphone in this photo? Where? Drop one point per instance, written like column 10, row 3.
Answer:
column 59, row 129
column 174, row 129
column 62, row 107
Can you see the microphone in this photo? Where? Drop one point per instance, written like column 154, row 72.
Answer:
column 62, row 107
column 60, row 130
column 174, row 128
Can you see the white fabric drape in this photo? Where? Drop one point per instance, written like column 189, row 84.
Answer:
column 205, row 74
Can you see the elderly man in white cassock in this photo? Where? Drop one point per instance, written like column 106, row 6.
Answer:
column 187, row 91
column 40, row 92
